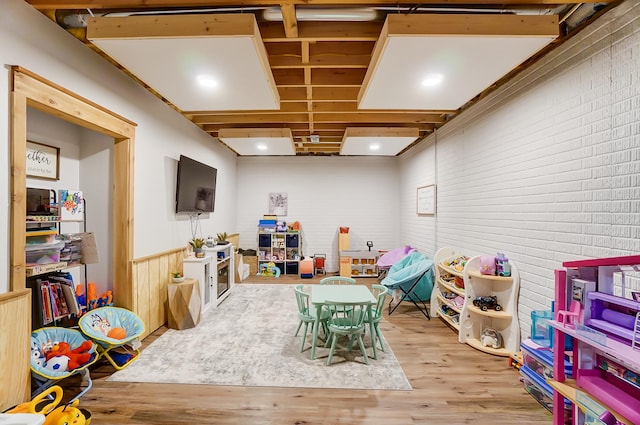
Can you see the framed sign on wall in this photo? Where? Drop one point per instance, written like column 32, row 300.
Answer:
column 43, row 161
column 426, row 200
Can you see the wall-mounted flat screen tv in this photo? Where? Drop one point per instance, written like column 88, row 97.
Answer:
column 195, row 186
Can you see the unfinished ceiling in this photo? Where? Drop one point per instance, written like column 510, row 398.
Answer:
column 319, row 72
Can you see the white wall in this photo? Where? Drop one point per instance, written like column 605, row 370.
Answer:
column 546, row 169
column 324, row 193
column 32, row 41
column 96, row 181
column 418, row 169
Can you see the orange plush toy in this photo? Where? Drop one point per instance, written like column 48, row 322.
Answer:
column 77, row 356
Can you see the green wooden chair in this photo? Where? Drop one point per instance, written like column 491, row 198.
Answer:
column 307, row 314
column 380, row 292
column 337, row 280
column 346, row 319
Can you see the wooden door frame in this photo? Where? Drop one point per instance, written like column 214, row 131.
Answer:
column 31, row 90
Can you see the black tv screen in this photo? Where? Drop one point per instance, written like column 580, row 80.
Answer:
column 195, row 187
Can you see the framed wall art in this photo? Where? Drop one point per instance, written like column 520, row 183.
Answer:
column 426, row 200
column 278, row 203
column 43, row 161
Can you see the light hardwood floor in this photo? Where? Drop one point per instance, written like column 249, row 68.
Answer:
column 452, row 384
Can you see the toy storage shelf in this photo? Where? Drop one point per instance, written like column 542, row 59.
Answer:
column 50, row 251
column 594, row 341
column 441, row 306
column 360, row 263
column 474, row 321
column 284, row 249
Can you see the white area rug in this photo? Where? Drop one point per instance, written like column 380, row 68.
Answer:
column 249, row 340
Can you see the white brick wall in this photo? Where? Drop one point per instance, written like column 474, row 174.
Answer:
column 547, row 168
column 324, row 193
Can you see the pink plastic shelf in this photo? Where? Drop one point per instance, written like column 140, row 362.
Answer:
column 623, row 401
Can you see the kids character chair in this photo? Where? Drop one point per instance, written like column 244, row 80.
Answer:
column 58, row 353
column 115, row 331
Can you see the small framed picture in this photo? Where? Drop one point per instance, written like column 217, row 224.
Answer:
column 43, row 161
column 636, row 296
column 426, row 200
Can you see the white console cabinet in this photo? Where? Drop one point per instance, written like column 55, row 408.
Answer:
column 214, row 273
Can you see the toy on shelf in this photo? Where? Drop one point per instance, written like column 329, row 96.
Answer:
column 503, row 268
column 93, row 301
column 572, row 316
column 487, row 265
column 487, row 302
column 269, row 269
column 457, row 263
column 295, row 227
column 491, row 338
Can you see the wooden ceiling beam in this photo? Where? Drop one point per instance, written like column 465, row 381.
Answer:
column 320, row 94
column 320, row 61
column 320, row 128
column 149, row 4
column 424, row 24
column 374, row 119
column 330, row 77
column 380, row 118
column 250, row 119
column 329, row 116
column 289, row 20
column 273, row 32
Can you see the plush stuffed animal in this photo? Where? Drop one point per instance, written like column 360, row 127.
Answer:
column 37, row 358
column 491, row 338
column 487, row 265
column 68, row 414
column 77, row 357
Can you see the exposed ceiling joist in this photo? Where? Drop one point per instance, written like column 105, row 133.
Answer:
column 321, row 75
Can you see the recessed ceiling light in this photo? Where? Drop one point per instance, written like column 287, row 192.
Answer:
column 261, row 147
column 374, row 147
column 432, row 80
column 207, row 81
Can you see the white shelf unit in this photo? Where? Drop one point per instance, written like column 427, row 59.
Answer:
column 284, row 249
column 473, row 320
column 444, row 286
column 214, row 273
column 596, row 389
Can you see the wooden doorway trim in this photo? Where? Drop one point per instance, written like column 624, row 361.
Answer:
column 31, row 90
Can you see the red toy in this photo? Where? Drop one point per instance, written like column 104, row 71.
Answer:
column 77, row 357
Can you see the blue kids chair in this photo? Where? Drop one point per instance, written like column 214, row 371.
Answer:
column 113, row 327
